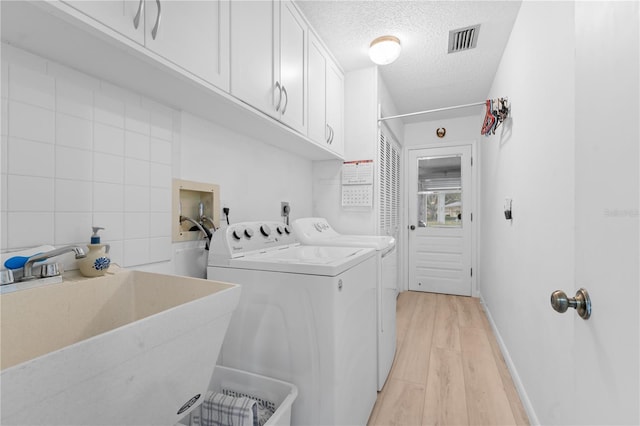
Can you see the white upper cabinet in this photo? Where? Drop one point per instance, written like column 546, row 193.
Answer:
column 326, row 98
column 253, row 64
column 261, row 54
column 317, row 68
column 192, row 34
column 268, row 42
column 293, row 39
column 123, row 16
column 335, row 108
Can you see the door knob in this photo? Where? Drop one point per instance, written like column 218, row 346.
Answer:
column 412, row 227
column 581, row 303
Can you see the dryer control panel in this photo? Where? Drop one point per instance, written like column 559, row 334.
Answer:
column 242, row 238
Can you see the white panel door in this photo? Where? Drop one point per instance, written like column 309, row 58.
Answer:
column 192, row 34
column 335, row 108
column 606, row 346
column 123, row 16
column 254, row 57
column 317, row 63
column 440, row 220
column 293, row 40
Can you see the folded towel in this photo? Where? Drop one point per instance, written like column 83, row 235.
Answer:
column 223, row 410
column 265, row 408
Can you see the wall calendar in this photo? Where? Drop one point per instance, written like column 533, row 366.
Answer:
column 357, row 183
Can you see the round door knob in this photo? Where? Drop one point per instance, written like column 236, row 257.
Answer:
column 559, row 301
column 581, row 303
column 412, row 227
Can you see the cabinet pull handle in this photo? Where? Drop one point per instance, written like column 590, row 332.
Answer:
column 286, row 99
column 279, row 89
column 154, row 31
column 327, row 133
column 330, row 135
column 136, row 19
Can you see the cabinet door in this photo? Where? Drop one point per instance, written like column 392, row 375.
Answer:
column 335, row 108
column 293, row 38
column 317, row 129
column 253, row 54
column 118, row 15
column 192, row 34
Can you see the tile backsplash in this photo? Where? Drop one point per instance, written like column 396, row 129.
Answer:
column 77, row 152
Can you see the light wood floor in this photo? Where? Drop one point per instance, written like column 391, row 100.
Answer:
column 448, row 368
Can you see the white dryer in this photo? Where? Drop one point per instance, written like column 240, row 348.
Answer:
column 317, row 231
column 306, row 315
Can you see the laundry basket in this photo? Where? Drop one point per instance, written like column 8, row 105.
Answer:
column 271, row 392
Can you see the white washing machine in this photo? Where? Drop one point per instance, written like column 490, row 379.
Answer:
column 317, row 231
column 306, row 315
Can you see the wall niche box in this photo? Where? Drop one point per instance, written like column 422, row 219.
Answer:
column 187, row 196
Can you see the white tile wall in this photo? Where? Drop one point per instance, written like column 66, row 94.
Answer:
column 74, row 132
column 31, row 87
column 108, row 110
column 74, row 100
column 108, row 139
column 22, row 118
column 30, row 158
column 78, row 152
column 73, row 163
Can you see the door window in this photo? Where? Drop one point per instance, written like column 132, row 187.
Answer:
column 440, row 192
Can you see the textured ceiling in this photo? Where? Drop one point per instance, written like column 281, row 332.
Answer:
column 425, row 76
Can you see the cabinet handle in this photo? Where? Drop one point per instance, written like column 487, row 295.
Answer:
column 330, row 141
column 279, row 89
column 286, row 99
column 136, row 19
column 154, row 31
column 327, row 133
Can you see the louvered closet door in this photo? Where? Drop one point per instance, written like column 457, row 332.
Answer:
column 440, row 187
column 389, row 186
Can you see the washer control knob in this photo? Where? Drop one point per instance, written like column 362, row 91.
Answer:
column 248, row 233
column 280, row 230
column 265, row 230
column 287, row 230
column 237, row 233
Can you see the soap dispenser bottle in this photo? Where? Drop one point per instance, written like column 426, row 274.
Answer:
column 97, row 261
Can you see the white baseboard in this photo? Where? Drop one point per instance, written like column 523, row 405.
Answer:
column 526, row 402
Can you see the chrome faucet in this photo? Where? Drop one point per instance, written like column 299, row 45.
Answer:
column 205, row 231
column 28, row 273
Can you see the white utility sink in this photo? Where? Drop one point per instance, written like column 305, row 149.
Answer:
column 127, row 348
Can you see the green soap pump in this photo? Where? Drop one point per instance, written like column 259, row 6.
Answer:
column 97, row 261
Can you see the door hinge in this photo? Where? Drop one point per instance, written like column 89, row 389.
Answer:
column 471, row 271
column 471, row 161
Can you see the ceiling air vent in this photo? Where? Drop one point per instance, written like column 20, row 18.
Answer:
column 463, row 38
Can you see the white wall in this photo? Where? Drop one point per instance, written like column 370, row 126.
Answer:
column 422, row 134
column 254, row 177
column 364, row 92
column 360, row 135
column 461, row 129
column 78, row 151
column 531, row 160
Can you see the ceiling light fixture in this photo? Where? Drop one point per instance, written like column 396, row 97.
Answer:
column 385, row 49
